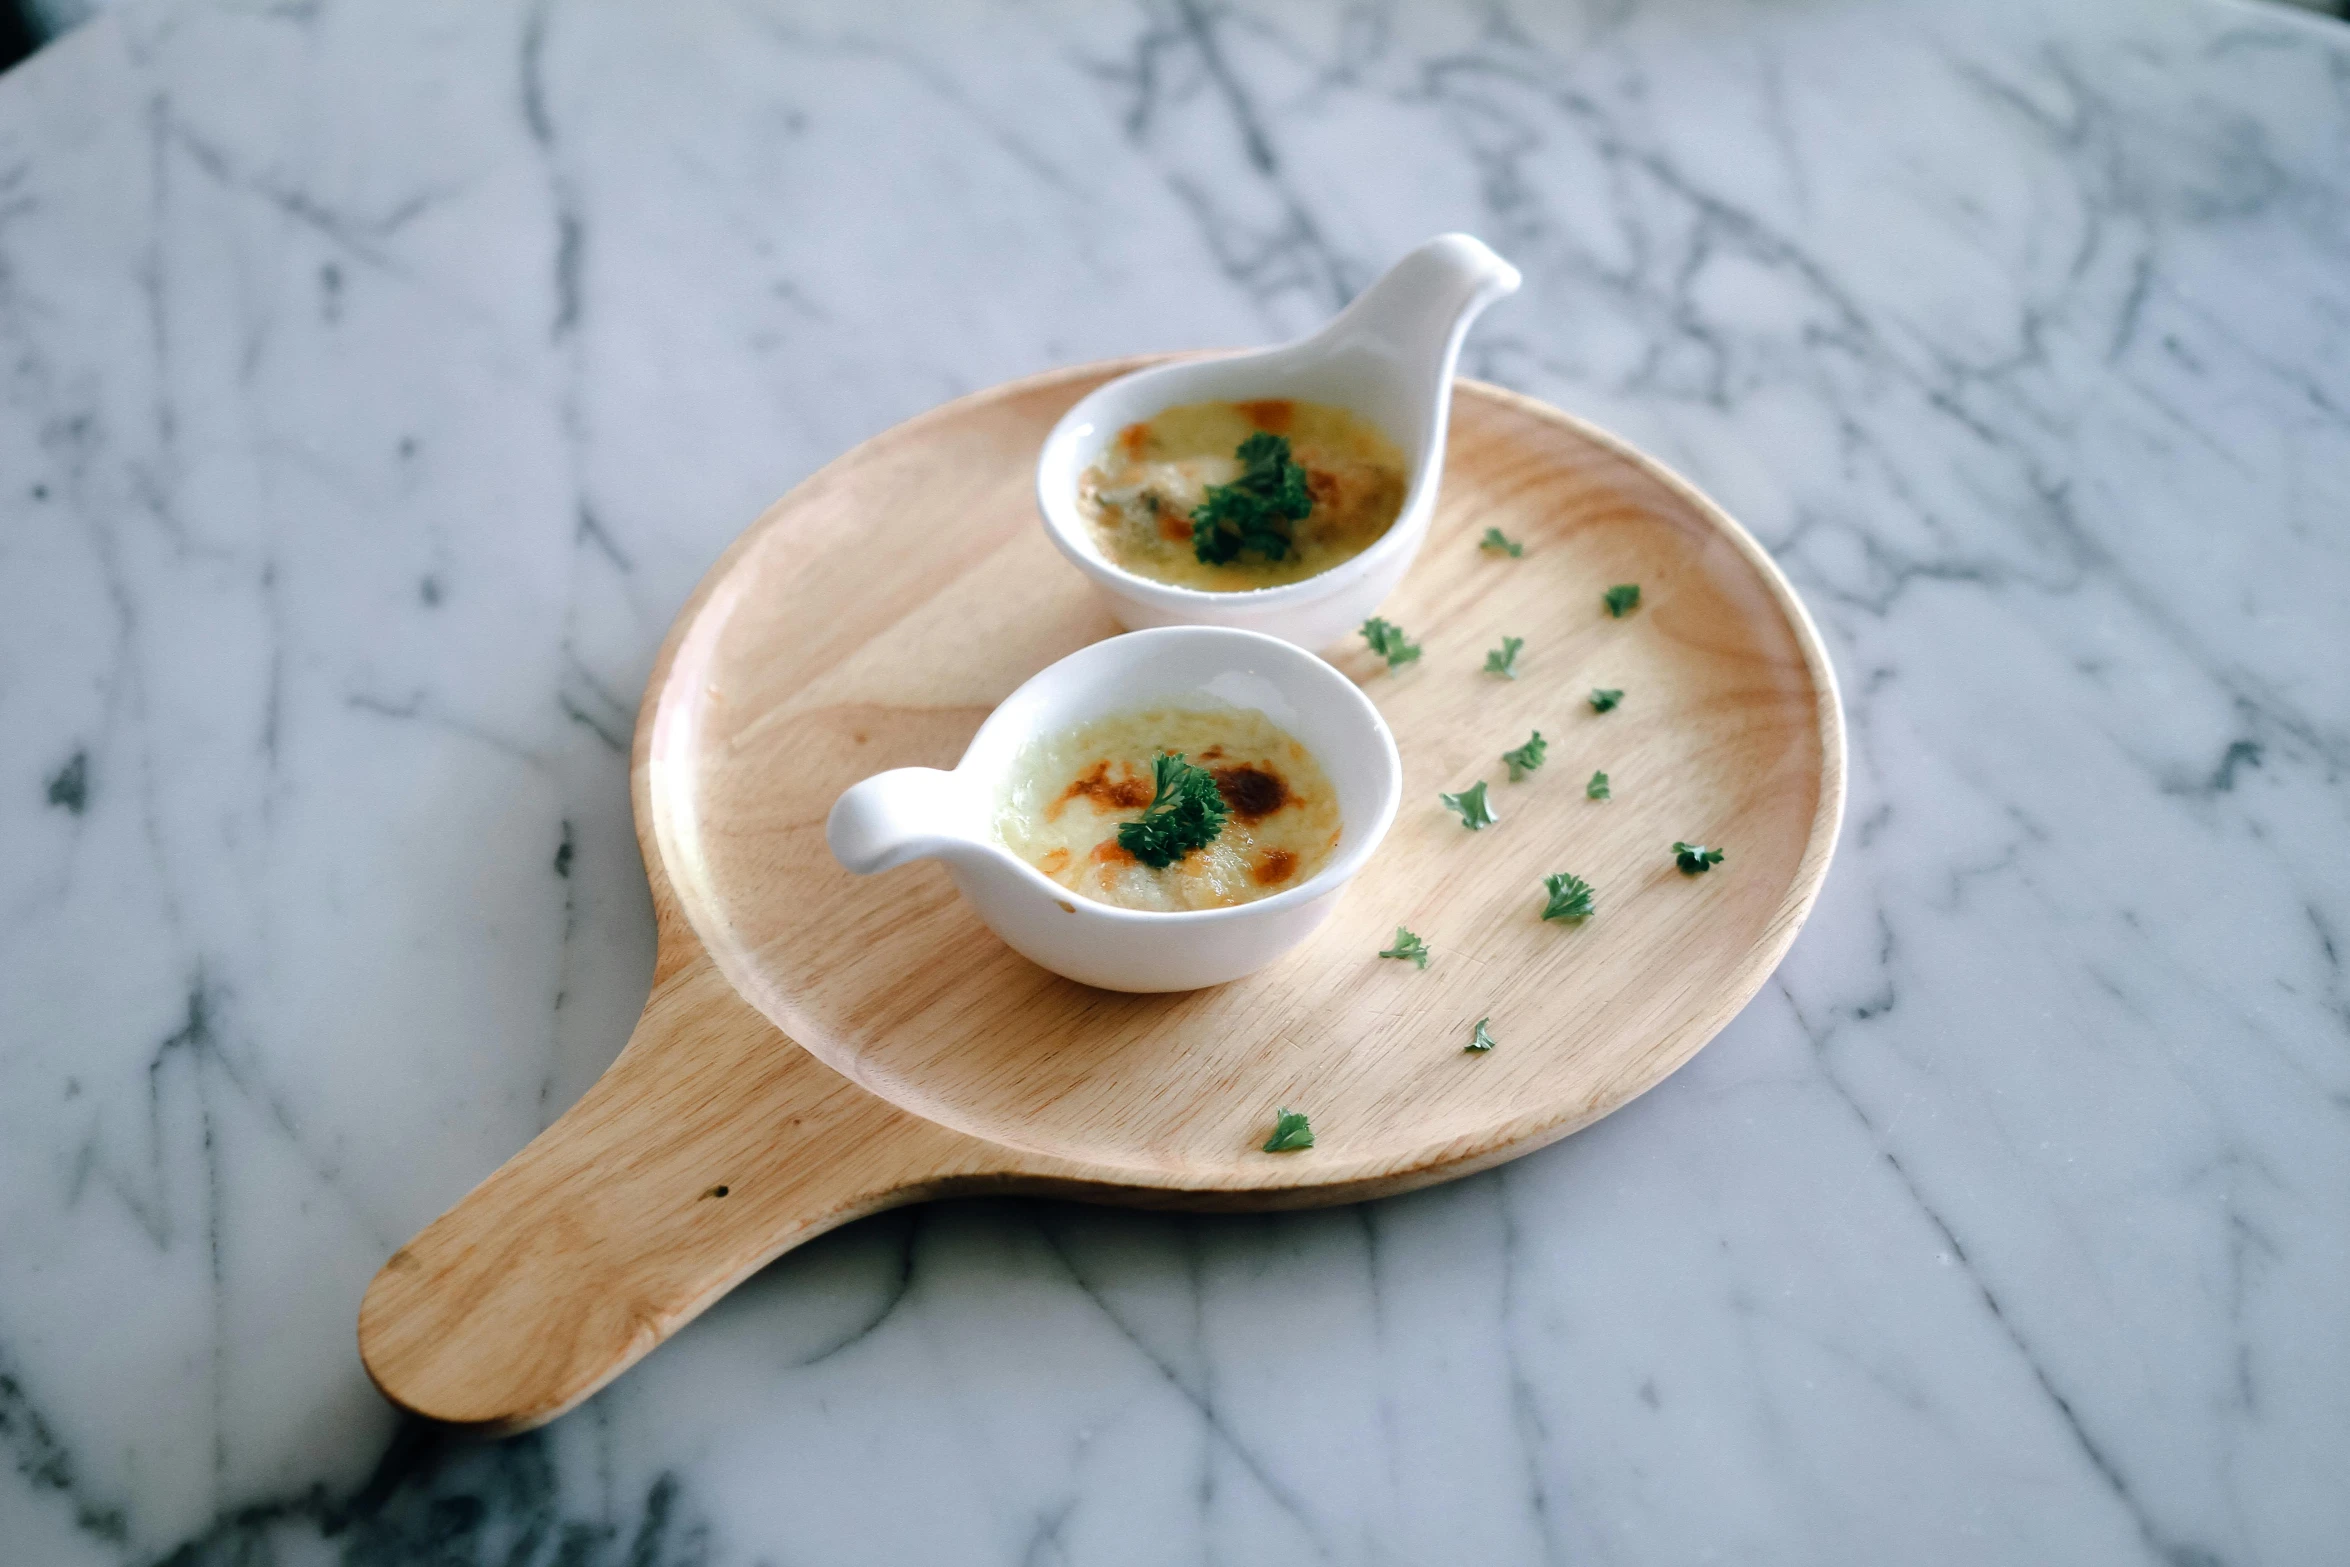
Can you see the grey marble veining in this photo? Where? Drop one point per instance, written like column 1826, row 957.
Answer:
column 376, row 380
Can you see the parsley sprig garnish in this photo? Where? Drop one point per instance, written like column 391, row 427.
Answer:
column 1408, row 947
column 1570, row 897
column 1253, row 514
column 1480, row 1040
column 1290, row 1132
column 1186, row 812
column 1501, row 544
column 1476, row 813
column 1388, row 641
column 1694, row 858
column 1598, row 789
column 1605, row 701
column 1503, row 660
column 1526, row 758
column 1622, row 599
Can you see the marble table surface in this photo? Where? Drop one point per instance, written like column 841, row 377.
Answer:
column 378, row 379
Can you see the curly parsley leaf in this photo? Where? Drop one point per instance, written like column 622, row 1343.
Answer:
column 1476, row 814
column 1597, row 789
column 1501, row 543
column 1622, row 599
column 1605, row 701
column 1503, row 660
column 1696, row 857
column 1480, row 1040
column 1526, row 758
column 1388, row 641
column 1408, row 947
column 1186, row 812
column 1570, row 897
column 1255, row 514
column 1290, row 1132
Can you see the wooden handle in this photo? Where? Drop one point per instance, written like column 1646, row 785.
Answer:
column 712, row 1144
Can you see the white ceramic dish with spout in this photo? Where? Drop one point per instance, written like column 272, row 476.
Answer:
column 921, row 813
column 1388, row 358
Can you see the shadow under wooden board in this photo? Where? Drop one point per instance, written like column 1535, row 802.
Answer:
column 871, row 619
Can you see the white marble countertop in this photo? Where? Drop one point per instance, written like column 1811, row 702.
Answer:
column 378, row 379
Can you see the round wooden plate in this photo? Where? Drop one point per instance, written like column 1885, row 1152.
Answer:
column 871, row 619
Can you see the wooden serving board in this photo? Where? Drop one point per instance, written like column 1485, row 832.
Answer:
column 818, row 1046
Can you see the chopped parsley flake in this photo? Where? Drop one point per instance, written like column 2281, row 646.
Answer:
column 1290, row 1132
column 1503, row 660
column 1476, row 814
column 1597, row 789
column 1185, row 814
column 1622, row 599
column 1408, row 947
column 1526, row 758
column 1696, row 857
column 1605, row 701
column 1479, row 1040
column 1388, row 641
column 1501, row 543
column 1570, row 897
column 1254, row 514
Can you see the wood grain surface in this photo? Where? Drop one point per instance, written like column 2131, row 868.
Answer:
column 871, row 619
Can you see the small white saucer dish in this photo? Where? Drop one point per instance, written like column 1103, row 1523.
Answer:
column 915, row 813
column 1388, row 358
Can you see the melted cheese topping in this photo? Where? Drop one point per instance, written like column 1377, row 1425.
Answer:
column 1067, row 794
column 1139, row 496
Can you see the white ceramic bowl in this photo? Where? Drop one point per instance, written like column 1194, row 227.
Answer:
column 917, row 813
column 1388, row 358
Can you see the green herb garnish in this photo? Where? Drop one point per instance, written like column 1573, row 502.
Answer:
column 1476, row 814
column 1254, row 513
column 1621, row 599
column 1695, row 857
column 1408, row 947
column 1501, row 542
column 1479, row 1040
column 1290, row 1132
column 1186, row 812
column 1597, row 789
column 1526, row 758
column 1570, row 897
column 1388, row 641
column 1503, row 660
column 1603, row 701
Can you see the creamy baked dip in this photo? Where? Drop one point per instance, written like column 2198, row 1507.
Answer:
column 1068, row 795
column 1290, row 489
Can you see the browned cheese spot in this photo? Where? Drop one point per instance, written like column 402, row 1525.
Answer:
column 1111, row 852
column 1251, row 792
column 1272, row 413
column 1133, row 438
column 1054, row 862
column 1275, row 867
column 1129, row 791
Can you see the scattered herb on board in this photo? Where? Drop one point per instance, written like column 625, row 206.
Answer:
column 1185, row 814
column 1388, row 641
column 1501, row 543
column 1597, row 789
column 1408, row 947
column 1604, row 701
column 1480, row 1041
column 1526, row 758
column 1476, row 814
column 1290, row 1132
column 1503, row 660
column 1570, row 897
column 1254, row 513
column 1696, row 857
column 1621, row 599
